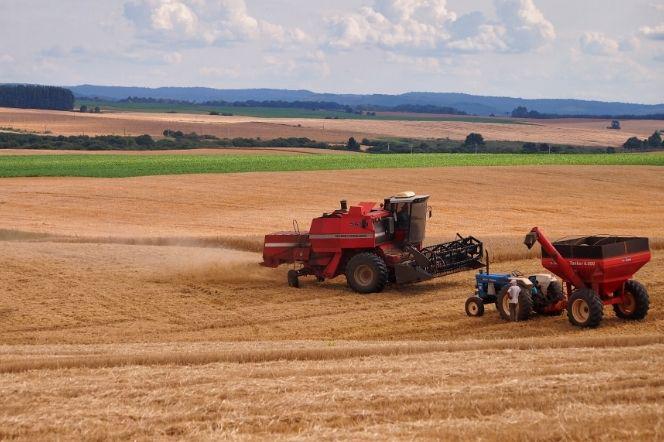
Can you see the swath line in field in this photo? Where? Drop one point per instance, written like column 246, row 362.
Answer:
column 319, row 354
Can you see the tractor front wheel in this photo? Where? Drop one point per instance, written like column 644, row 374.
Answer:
column 474, row 306
column 367, row 273
column 584, row 308
column 636, row 302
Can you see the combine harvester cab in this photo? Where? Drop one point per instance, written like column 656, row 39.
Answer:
column 597, row 271
column 371, row 244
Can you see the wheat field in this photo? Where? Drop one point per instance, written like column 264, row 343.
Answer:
column 585, row 132
column 136, row 309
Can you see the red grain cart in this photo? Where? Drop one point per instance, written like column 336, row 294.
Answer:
column 597, row 271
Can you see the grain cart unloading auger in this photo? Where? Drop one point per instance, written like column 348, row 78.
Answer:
column 372, row 245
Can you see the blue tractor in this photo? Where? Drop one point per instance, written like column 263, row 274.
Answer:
column 540, row 294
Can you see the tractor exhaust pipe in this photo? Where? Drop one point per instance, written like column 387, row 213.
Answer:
column 344, row 205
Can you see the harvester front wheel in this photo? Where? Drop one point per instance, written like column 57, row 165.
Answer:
column 293, row 279
column 636, row 302
column 474, row 306
column 525, row 308
column 367, row 273
column 584, row 308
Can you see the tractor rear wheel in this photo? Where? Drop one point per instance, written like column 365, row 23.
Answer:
column 584, row 308
column 367, row 273
column 554, row 294
column 637, row 302
column 525, row 304
column 474, row 306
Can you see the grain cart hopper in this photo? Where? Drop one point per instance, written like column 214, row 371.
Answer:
column 597, row 271
column 371, row 244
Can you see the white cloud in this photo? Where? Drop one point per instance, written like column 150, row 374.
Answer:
column 428, row 27
column 596, row 43
column 210, row 71
column 6, row 59
column 312, row 63
column 628, row 44
column 406, row 24
column 203, row 23
column 525, row 25
column 172, row 58
column 653, row 33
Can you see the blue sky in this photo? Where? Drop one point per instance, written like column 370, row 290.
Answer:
column 610, row 50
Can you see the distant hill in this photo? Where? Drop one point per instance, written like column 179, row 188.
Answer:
column 472, row 104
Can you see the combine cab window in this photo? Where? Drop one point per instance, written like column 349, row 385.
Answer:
column 418, row 221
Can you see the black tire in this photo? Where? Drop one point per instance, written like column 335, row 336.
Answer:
column 293, row 280
column 639, row 302
column 554, row 294
column 367, row 273
column 474, row 306
column 525, row 309
column 584, row 308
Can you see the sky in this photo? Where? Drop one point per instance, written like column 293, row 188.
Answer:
column 610, row 50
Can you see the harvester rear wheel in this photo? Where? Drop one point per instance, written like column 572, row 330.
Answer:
column 474, row 306
column 525, row 304
column 584, row 308
column 367, row 273
column 293, row 280
column 637, row 303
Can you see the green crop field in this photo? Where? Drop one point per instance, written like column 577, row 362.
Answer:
column 273, row 112
column 140, row 165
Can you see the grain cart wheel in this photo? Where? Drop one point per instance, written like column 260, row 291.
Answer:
column 293, row 280
column 474, row 306
column 367, row 273
column 637, row 303
column 584, row 308
column 525, row 304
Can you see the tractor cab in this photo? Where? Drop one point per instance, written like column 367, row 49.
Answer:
column 409, row 216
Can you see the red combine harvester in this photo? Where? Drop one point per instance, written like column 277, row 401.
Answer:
column 597, row 271
column 371, row 245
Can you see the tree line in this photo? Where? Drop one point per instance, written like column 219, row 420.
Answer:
column 474, row 143
column 172, row 140
column 523, row 112
column 306, row 105
column 36, row 97
column 654, row 141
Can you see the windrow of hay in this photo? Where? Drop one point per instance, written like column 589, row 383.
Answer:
column 247, row 243
column 321, row 353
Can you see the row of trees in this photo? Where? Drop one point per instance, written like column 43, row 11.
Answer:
column 174, row 140
column 36, row 97
column 654, row 141
column 91, row 110
column 369, row 110
column 523, row 112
